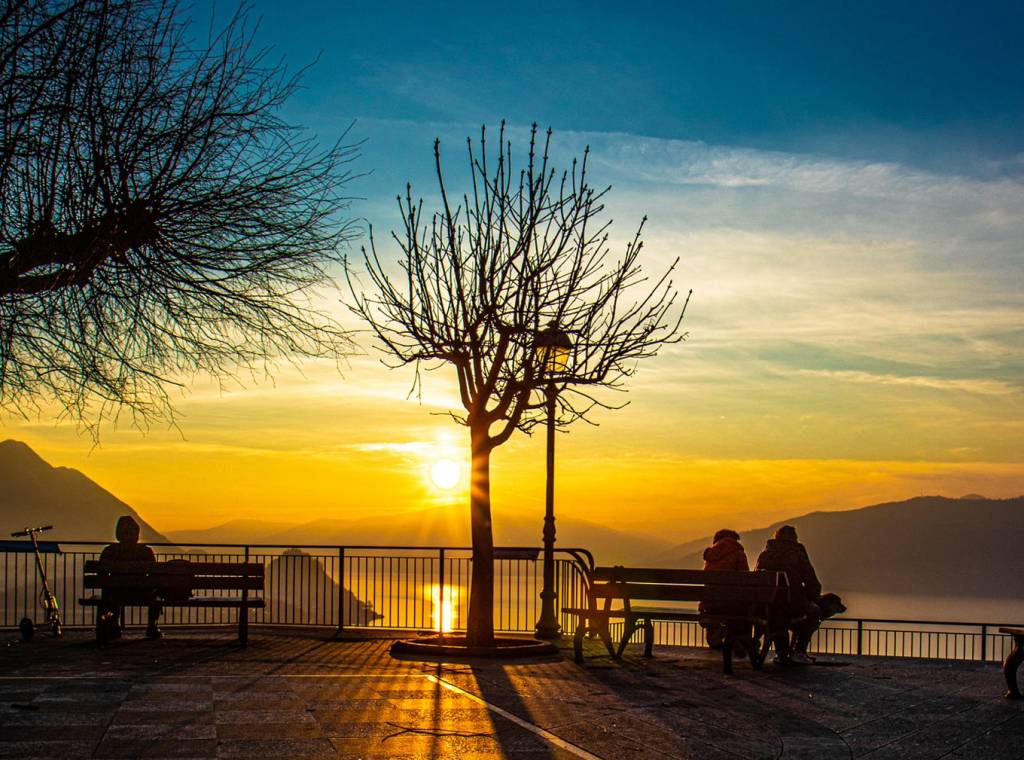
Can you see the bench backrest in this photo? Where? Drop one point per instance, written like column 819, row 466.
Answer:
column 668, row 585
column 174, row 574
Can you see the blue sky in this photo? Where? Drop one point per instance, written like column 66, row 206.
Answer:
column 929, row 83
column 842, row 183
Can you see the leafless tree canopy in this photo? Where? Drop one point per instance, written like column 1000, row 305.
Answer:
column 157, row 217
column 483, row 276
column 480, row 279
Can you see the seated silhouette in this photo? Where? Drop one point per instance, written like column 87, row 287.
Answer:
column 784, row 552
column 725, row 553
column 127, row 549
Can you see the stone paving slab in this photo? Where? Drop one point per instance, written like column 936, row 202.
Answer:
column 196, row 694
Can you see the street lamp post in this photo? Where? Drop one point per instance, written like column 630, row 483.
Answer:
column 553, row 348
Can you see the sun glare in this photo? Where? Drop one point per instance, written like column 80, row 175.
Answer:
column 442, row 608
column 445, row 473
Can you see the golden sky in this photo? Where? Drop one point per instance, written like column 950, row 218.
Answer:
column 855, row 336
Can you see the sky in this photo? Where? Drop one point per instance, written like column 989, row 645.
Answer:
column 843, row 185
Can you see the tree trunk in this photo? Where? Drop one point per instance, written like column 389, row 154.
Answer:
column 480, row 628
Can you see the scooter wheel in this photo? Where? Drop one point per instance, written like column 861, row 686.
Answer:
column 27, row 628
column 56, row 628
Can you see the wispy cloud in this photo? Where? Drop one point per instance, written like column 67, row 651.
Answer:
column 966, row 385
column 843, row 311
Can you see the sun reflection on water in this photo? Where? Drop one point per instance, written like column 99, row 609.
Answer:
column 442, row 610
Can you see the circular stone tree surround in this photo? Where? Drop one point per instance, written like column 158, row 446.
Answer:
column 454, row 645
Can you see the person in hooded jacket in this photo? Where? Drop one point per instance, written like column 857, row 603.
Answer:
column 725, row 553
column 127, row 549
column 786, row 553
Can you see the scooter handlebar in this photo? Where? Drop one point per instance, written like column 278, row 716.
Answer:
column 30, row 531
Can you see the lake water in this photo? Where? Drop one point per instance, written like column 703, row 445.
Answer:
column 931, row 607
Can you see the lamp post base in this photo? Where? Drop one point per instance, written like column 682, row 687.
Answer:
column 548, row 633
column 547, row 627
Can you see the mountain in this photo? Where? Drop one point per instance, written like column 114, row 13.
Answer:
column 300, row 590
column 35, row 493
column 241, row 531
column 926, row 545
column 446, row 526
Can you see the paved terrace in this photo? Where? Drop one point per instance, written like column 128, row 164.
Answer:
column 293, row 695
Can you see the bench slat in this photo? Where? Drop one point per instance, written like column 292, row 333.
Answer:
column 230, row 583
column 665, row 613
column 177, row 568
column 694, row 577
column 669, row 593
column 209, row 601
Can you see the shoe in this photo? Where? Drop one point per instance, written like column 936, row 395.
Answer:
column 154, row 633
column 801, row 658
column 715, row 637
column 108, row 627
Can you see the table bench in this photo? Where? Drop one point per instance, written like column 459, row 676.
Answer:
column 1013, row 661
column 172, row 584
column 748, row 597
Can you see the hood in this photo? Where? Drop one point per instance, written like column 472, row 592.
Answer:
column 782, row 545
column 722, row 549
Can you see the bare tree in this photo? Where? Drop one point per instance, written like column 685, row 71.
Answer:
column 477, row 284
column 157, row 216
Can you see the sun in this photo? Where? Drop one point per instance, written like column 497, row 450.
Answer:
column 445, row 473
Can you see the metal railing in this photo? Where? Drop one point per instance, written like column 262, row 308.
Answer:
column 342, row 587
column 426, row 589
column 878, row 637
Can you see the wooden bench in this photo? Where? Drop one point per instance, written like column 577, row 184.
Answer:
column 172, row 584
column 748, row 597
column 1013, row 661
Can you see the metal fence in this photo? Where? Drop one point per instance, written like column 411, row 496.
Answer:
column 391, row 587
column 426, row 589
column 925, row 639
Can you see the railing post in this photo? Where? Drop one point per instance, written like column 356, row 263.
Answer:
column 984, row 647
column 243, row 611
column 860, row 636
column 341, row 589
column 440, row 596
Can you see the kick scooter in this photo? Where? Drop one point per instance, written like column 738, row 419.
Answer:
column 46, row 598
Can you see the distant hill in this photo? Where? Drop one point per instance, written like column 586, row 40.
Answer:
column 299, row 590
column 35, row 493
column 446, row 526
column 242, row 531
column 970, row 546
column 928, row 545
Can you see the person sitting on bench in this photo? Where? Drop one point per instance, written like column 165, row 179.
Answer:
column 786, row 553
column 127, row 549
column 725, row 553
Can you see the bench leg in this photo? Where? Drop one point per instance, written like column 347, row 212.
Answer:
column 648, row 637
column 577, row 641
column 606, row 636
column 628, row 629
column 1010, row 665
column 243, row 625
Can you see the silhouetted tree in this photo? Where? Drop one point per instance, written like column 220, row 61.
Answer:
column 157, row 217
column 479, row 281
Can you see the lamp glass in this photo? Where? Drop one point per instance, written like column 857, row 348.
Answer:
column 556, row 359
column 553, row 349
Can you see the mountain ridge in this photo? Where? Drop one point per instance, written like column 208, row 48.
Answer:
column 968, row 546
column 916, row 546
column 38, row 493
